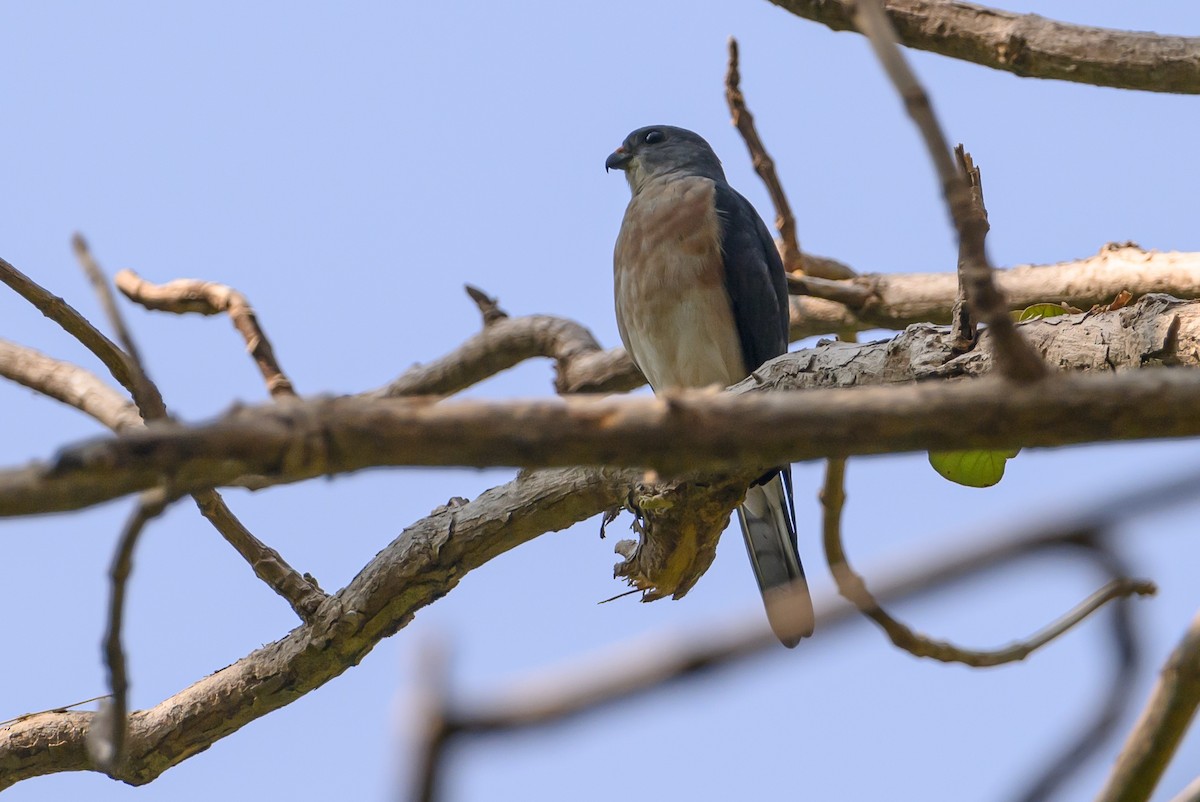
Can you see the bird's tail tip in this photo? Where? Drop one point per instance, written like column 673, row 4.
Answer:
column 790, row 611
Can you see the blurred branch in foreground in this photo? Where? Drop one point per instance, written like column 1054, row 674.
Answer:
column 646, row 665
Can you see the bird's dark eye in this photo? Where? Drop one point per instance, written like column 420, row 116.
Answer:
column 653, row 137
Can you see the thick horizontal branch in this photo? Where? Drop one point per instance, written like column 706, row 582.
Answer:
column 689, row 432
column 696, row 431
column 1029, row 45
column 897, row 300
column 871, row 301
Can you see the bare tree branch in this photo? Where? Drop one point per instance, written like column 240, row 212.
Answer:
column 581, row 365
column 145, row 393
column 421, row 565
column 682, row 433
column 1017, row 360
column 896, row 300
column 117, row 361
column 107, row 748
column 1165, row 719
column 76, row 387
column 852, row 586
column 301, row 592
column 764, row 165
column 209, row 298
column 562, row 694
column 1100, row 721
column 68, row 383
column 303, row 596
column 1029, row 45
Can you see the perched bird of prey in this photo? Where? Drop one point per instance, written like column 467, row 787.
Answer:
column 702, row 299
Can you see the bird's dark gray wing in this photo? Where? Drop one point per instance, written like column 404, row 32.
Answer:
column 757, row 289
column 754, row 278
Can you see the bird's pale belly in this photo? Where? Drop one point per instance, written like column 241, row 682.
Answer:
column 681, row 338
column 673, row 311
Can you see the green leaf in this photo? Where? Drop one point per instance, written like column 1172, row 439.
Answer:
column 971, row 468
column 1038, row 311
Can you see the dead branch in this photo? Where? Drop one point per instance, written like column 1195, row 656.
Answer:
column 897, row 300
column 145, row 394
column 581, row 366
column 82, row 390
column 1017, row 360
column 68, row 383
column 420, row 566
column 1164, row 720
column 209, row 298
column 692, row 431
column 871, row 301
column 107, row 748
column 648, row 664
column 853, row 587
column 1029, row 45
column 301, row 592
column 764, row 165
column 302, row 595
column 75, row 324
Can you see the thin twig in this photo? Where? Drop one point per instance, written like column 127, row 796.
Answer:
column 303, row 596
column 1017, row 360
column 209, row 298
column 1101, row 720
column 1157, row 734
column 145, row 393
column 108, row 748
column 764, row 165
column 301, row 592
column 853, row 587
column 119, row 363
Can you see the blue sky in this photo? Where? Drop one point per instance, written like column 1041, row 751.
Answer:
column 349, row 168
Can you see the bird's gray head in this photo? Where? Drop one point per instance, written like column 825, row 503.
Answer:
column 662, row 150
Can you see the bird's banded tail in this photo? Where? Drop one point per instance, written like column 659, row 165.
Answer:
column 769, row 526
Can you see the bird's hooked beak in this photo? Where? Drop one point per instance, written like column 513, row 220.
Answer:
column 618, row 160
